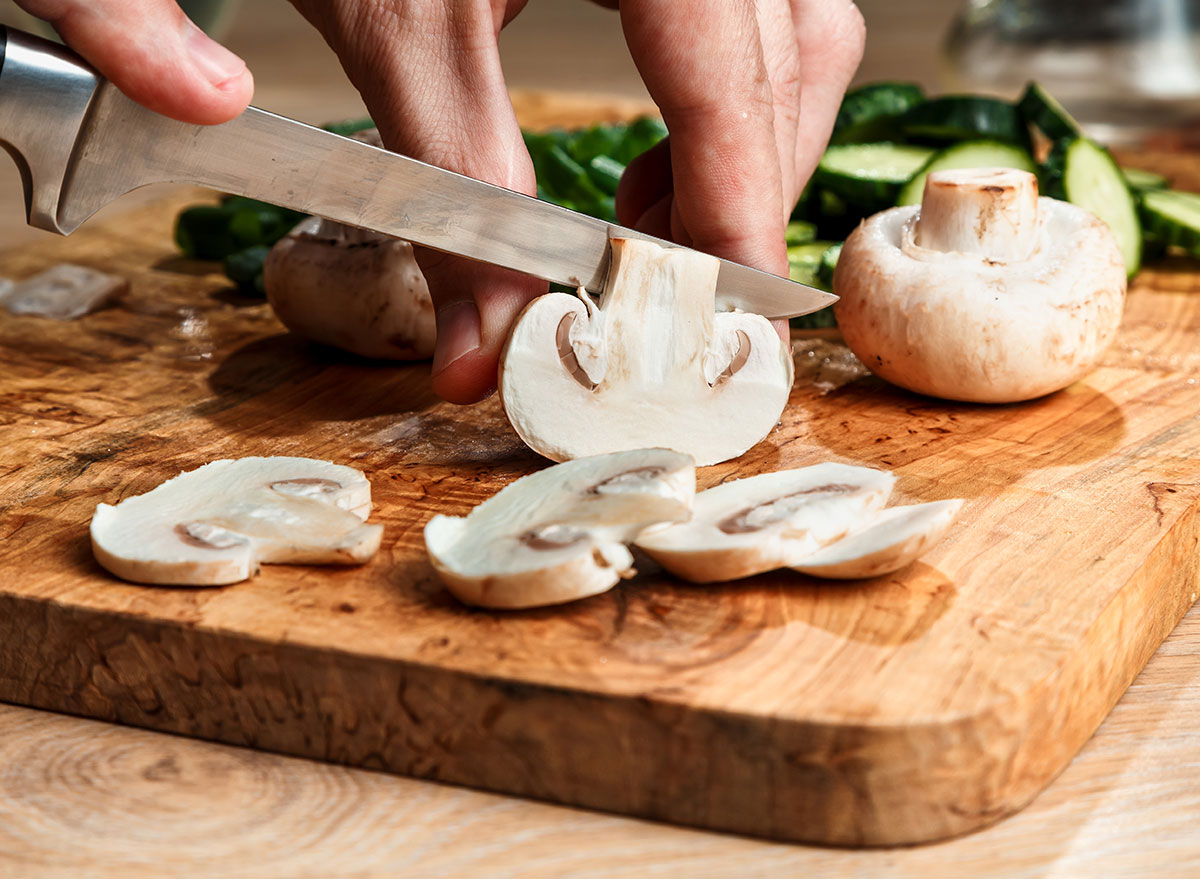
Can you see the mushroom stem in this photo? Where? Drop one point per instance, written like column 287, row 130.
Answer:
column 659, row 308
column 992, row 213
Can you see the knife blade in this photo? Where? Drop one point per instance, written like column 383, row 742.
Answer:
column 81, row 143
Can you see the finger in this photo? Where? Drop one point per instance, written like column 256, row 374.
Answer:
column 703, row 64
column 153, row 53
column 830, row 35
column 429, row 72
column 781, row 56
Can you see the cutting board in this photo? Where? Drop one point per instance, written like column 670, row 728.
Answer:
column 895, row 710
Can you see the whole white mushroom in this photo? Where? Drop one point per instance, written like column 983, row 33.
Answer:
column 984, row 292
column 354, row 289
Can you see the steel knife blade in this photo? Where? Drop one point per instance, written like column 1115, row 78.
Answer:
column 80, row 144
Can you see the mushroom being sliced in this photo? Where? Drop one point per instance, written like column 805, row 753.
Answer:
column 893, row 539
column 774, row 520
column 559, row 534
column 652, row 364
column 983, row 292
column 216, row 524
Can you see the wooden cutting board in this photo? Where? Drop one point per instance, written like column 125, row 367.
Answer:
column 895, row 710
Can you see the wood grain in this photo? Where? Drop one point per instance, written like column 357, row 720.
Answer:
column 901, row 709
column 81, row 798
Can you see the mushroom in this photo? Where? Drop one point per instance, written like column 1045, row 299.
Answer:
column 217, row 524
column 651, row 364
column 351, row 288
column 892, row 539
column 773, row 520
column 984, row 292
column 559, row 534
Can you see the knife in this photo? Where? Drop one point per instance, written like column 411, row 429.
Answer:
column 79, row 143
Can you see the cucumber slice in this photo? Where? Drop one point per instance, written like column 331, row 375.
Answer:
column 871, row 113
column 799, row 232
column 1082, row 172
column 966, row 117
column 804, row 262
column 828, row 264
column 831, row 215
column 971, row 154
column 1140, row 180
column 1040, row 109
column 1172, row 219
column 869, row 175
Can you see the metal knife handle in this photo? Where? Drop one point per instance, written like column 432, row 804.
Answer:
column 45, row 92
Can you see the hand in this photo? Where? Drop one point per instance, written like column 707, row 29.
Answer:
column 749, row 91
column 729, row 77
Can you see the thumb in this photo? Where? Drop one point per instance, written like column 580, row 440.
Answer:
column 153, row 53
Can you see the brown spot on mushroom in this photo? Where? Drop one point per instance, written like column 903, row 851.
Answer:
column 554, row 536
column 637, row 476
column 759, row 516
column 305, row 487
column 206, row 536
column 404, row 346
column 566, row 353
column 738, row 360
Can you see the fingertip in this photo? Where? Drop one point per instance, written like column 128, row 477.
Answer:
column 469, row 378
column 462, row 372
column 477, row 306
column 230, row 83
column 162, row 61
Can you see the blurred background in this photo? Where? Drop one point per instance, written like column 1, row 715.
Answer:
column 561, row 44
column 1128, row 69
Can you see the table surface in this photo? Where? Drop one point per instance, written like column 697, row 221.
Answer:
column 80, row 798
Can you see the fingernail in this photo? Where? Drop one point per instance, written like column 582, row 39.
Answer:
column 217, row 63
column 457, row 334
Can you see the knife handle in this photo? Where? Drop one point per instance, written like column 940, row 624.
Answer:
column 45, row 92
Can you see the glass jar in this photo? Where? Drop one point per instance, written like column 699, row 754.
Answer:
column 1128, row 70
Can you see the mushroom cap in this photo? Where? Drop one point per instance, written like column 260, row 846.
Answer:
column 773, row 520
column 216, row 524
column 356, row 290
column 892, row 539
column 558, row 535
column 652, row 365
column 968, row 326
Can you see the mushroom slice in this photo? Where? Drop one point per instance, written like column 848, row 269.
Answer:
column 218, row 523
column 651, row 365
column 893, row 539
column 63, row 292
column 983, row 292
column 559, row 534
column 770, row 521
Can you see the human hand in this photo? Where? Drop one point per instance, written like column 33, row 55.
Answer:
column 729, row 78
